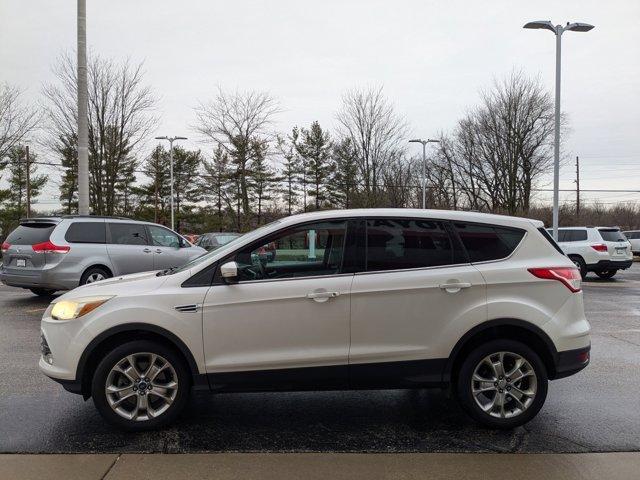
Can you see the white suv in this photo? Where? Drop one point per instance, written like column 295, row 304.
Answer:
column 602, row 250
column 352, row 299
column 634, row 239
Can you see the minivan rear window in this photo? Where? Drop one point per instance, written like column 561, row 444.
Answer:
column 488, row 242
column 607, row 234
column 31, row 233
column 86, row 232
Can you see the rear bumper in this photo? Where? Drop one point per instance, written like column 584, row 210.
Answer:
column 610, row 265
column 35, row 279
column 569, row 362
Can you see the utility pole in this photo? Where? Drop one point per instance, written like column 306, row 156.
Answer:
column 577, row 186
column 171, row 140
column 28, row 179
column 83, row 128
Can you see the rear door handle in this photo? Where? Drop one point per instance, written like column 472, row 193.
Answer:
column 454, row 287
column 158, row 250
column 147, row 250
column 322, row 296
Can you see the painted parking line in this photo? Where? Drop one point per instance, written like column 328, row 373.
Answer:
column 36, row 310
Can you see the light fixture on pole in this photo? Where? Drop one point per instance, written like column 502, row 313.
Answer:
column 171, row 140
column 424, row 166
column 558, row 30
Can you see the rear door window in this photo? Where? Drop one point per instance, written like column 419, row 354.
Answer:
column 394, row 244
column 488, row 242
column 127, row 234
column 86, row 232
column 607, row 234
column 31, row 233
column 163, row 237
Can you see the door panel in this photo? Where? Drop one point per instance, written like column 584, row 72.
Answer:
column 413, row 314
column 128, row 248
column 277, row 324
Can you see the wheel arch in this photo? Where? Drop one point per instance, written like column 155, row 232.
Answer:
column 509, row 328
column 97, row 265
column 114, row 336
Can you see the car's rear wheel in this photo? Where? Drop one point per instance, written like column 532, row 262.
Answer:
column 42, row 292
column 502, row 384
column 141, row 385
column 606, row 273
column 580, row 263
column 94, row 274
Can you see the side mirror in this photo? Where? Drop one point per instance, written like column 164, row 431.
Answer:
column 229, row 272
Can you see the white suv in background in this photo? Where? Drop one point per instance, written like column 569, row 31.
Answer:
column 634, row 239
column 351, row 299
column 602, row 250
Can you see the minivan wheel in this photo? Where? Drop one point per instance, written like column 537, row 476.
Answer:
column 42, row 292
column 94, row 274
column 140, row 385
column 502, row 384
column 606, row 273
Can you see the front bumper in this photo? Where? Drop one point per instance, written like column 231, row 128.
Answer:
column 611, row 265
column 570, row 362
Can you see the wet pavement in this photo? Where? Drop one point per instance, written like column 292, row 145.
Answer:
column 596, row 410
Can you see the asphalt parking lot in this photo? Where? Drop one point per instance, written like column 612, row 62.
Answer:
column 597, row 410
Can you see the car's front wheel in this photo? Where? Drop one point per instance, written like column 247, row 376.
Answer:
column 140, row 385
column 606, row 273
column 502, row 384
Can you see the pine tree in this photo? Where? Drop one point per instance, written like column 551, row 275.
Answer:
column 345, row 176
column 216, row 183
column 262, row 177
column 315, row 149
column 66, row 148
column 186, row 170
column 16, row 194
column 157, row 191
column 291, row 174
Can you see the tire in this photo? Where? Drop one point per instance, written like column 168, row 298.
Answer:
column 94, row 274
column 128, row 411
column 582, row 266
column 606, row 273
column 42, row 292
column 513, row 415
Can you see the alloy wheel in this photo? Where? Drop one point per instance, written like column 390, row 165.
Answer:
column 141, row 386
column 95, row 277
column 504, row 384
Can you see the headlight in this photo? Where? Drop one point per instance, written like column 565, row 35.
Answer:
column 70, row 309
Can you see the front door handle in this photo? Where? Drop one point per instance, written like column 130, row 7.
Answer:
column 322, row 296
column 158, row 250
column 147, row 250
column 454, row 287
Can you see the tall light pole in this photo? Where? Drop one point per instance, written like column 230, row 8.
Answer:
column 424, row 166
column 558, row 30
column 83, row 129
column 171, row 140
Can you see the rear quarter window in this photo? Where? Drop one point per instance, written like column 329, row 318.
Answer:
column 607, row 234
column 488, row 242
column 31, row 233
column 86, row 232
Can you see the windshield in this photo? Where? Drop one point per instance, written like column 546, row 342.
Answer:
column 221, row 251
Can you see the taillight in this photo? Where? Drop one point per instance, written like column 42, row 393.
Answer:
column 5, row 246
column 569, row 276
column 48, row 247
column 600, row 247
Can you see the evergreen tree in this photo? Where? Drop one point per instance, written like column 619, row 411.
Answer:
column 315, row 149
column 186, row 188
column 66, row 148
column 158, row 190
column 216, row 184
column 345, row 176
column 262, row 178
column 291, row 174
column 16, row 194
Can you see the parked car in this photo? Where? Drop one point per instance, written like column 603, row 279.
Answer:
column 59, row 253
column 389, row 298
column 602, row 250
column 211, row 241
column 634, row 239
column 192, row 237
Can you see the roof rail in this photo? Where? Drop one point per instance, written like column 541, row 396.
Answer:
column 95, row 216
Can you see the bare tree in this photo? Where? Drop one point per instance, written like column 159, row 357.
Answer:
column 17, row 119
column 120, row 119
column 240, row 123
column 377, row 133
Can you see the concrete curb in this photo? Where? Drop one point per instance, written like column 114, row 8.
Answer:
column 312, row 466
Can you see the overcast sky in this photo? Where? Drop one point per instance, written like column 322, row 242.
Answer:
column 431, row 57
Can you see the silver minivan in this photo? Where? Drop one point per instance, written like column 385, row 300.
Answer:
column 59, row 253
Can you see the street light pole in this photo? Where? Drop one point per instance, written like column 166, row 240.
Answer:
column 558, row 30
column 171, row 140
column 28, row 180
column 424, row 166
column 83, row 128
